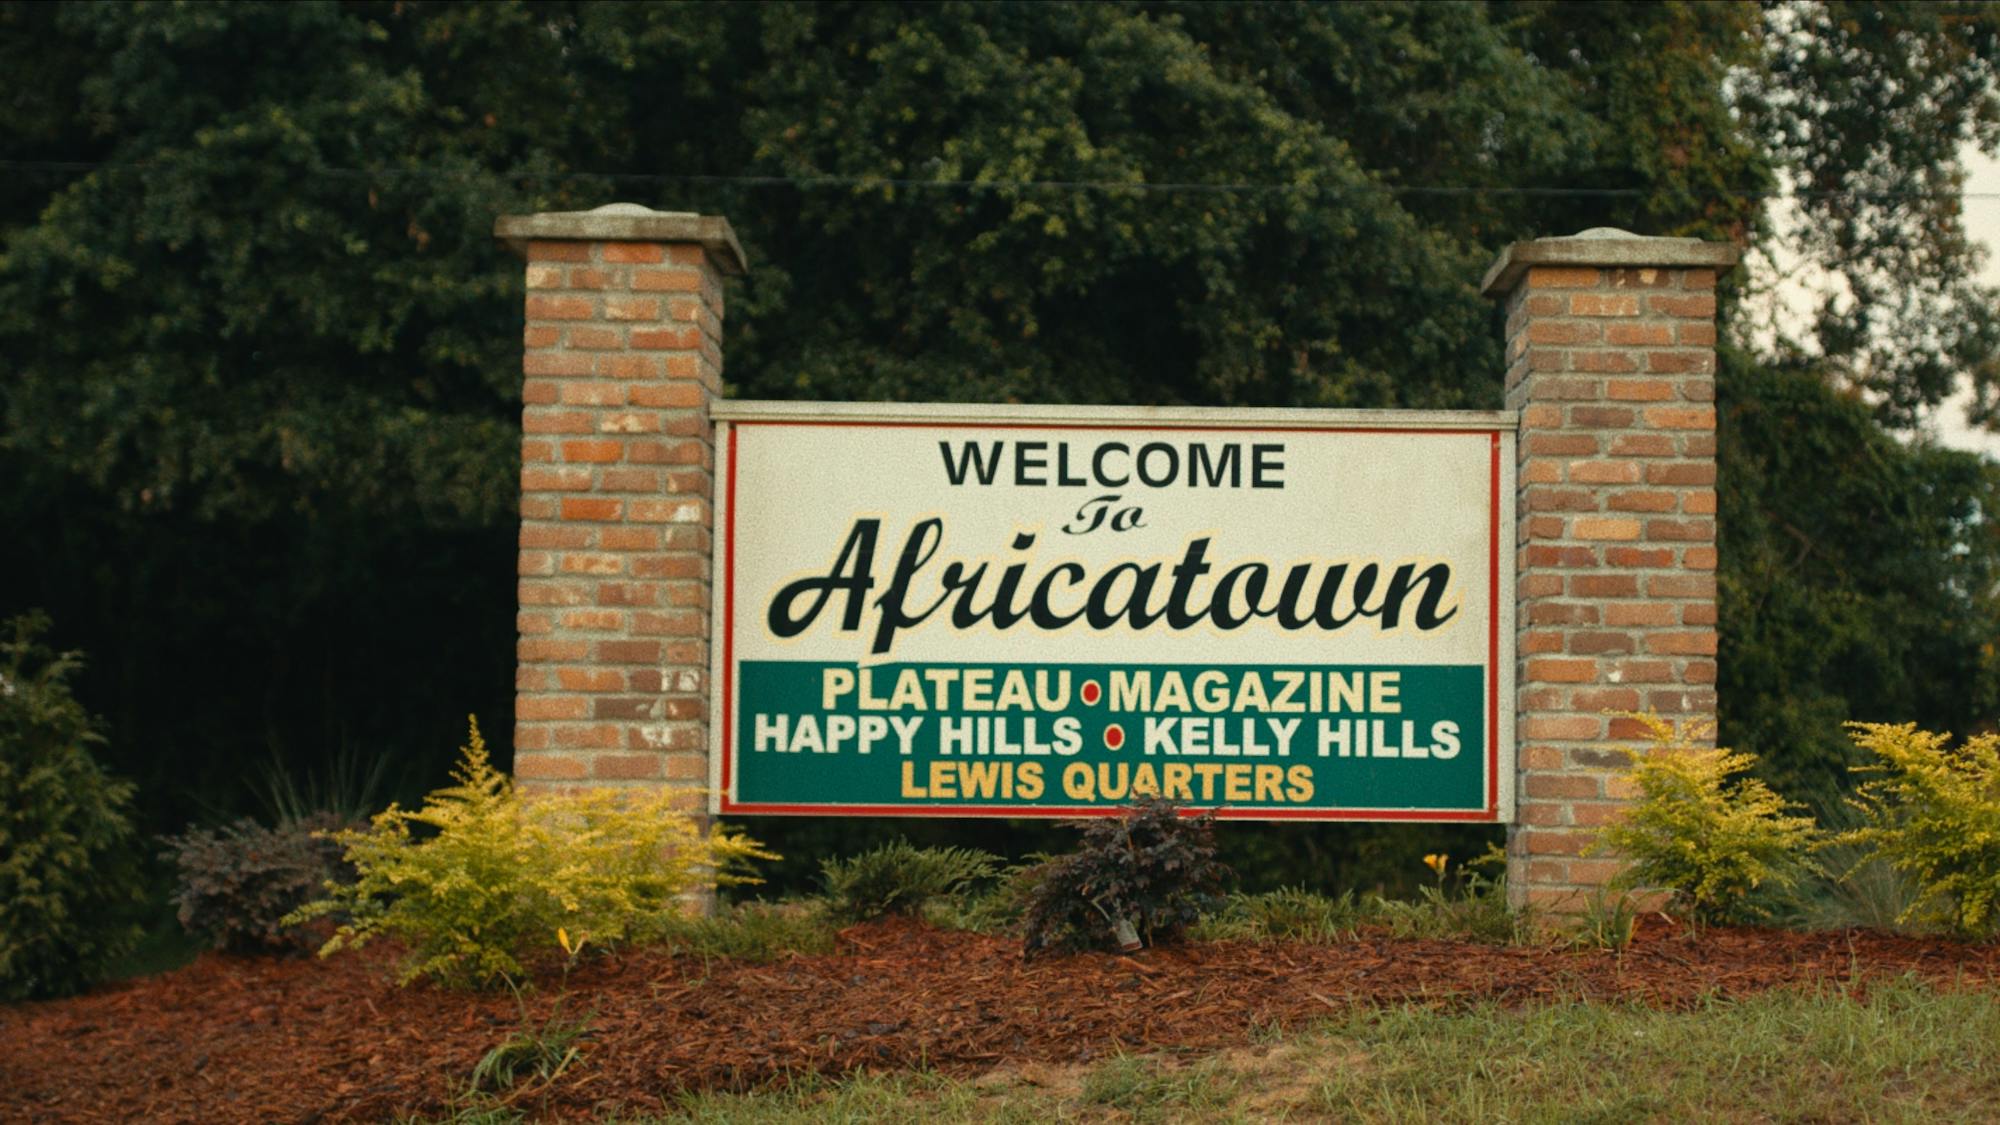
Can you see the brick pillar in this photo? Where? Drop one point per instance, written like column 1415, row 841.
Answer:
column 623, row 356
column 1611, row 363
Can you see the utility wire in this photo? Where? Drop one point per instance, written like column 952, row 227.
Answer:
column 1107, row 186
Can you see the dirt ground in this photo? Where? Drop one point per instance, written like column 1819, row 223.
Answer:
column 231, row 1039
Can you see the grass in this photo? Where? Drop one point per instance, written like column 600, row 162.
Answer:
column 912, row 1098
column 1144, row 1088
column 1291, row 914
column 1907, row 1052
column 1478, row 912
column 750, row 931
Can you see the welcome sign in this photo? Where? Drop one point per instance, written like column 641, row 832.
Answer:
column 1037, row 611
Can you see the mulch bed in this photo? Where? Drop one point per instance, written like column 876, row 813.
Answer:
column 231, row 1039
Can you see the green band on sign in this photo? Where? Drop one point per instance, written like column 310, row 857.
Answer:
column 1062, row 738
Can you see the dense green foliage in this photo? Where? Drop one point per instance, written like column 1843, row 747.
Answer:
column 1468, row 906
column 1864, row 106
column 1932, row 812
column 1859, row 576
column 260, row 412
column 237, row 883
column 899, row 878
column 68, row 860
column 1286, row 914
column 481, row 880
column 1703, row 829
column 752, row 931
column 1468, row 903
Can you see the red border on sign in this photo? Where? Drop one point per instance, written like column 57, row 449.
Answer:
column 1493, row 640
column 729, row 630
column 1490, row 814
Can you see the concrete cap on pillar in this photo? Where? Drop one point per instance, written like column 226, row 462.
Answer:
column 626, row 222
column 1606, row 248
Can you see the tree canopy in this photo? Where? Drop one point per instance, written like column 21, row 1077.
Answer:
column 262, row 393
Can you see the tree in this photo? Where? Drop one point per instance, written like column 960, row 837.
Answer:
column 1862, row 577
column 261, row 345
column 259, row 416
column 1865, row 107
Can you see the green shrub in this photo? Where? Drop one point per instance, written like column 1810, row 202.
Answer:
column 1145, row 876
column 495, row 875
column 1933, row 814
column 238, row 883
column 750, row 931
column 1701, row 830
column 1469, row 906
column 68, row 856
column 350, row 787
column 541, row 1052
column 1848, row 886
column 1609, row 921
column 1287, row 914
column 899, row 878
column 994, row 908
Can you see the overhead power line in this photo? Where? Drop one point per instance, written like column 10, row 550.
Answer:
column 1106, row 186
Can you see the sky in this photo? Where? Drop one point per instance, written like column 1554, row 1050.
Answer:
column 1787, row 291
column 1982, row 222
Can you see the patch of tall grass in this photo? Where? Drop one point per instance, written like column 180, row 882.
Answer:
column 1903, row 1052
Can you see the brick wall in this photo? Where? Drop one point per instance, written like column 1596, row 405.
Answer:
column 623, row 353
column 1611, row 363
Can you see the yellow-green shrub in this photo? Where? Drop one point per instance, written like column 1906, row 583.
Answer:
column 1700, row 829
column 1933, row 813
column 481, row 875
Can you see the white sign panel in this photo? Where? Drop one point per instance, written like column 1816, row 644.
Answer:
column 958, row 611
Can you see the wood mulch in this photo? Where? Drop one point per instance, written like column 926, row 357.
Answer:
column 230, row 1039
